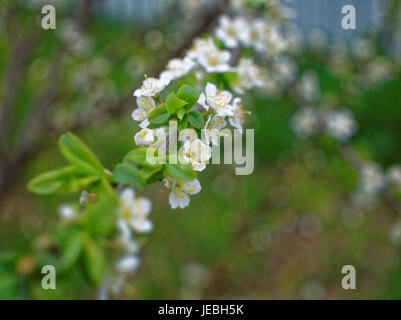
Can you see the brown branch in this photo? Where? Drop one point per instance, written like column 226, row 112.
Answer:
column 350, row 155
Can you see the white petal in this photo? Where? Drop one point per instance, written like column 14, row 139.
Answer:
column 127, row 196
column 198, row 166
column 123, row 228
column 192, row 187
column 67, row 213
column 138, row 92
column 214, row 135
column 168, row 183
column 202, row 101
column 138, row 114
column 236, row 123
column 211, row 89
column 224, row 20
column 146, row 103
column 144, row 124
column 166, row 76
column 178, row 200
column 218, row 123
column 142, row 225
column 143, row 206
column 128, row 264
column 226, row 96
column 145, row 137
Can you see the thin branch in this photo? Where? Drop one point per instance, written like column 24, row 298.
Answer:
column 351, row 156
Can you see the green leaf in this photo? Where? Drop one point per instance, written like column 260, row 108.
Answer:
column 159, row 115
column 138, row 156
column 152, row 175
column 181, row 113
column 189, row 94
column 182, row 124
column 102, row 213
column 196, row 119
column 180, row 172
column 77, row 153
column 128, row 174
column 230, row 77
column 94, row 260
column 190, row 79
column 173, row 103
column 66, row 180
column 9, row 286
column 72, row 250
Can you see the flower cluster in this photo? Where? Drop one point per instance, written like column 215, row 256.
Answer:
column 77, row 42
column 373, row 179
column 339, row 123
column 218, row 107
column 262, row 35
column 133, row 217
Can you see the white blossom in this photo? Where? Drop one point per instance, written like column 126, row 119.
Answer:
column 394, row 233
column 394, row 175
column 232, row 31
column 128, row 264
column 67, row 213
column 284, row 70
column 363, row 48
column 151, row 87
column 135, row 211
column 379, row 70
column 308, row 86
column 341, row 124
column 213, row 127
column 238, row 119
column 197, row 153
column 218, row 100
column 275, row 42
column 144, row 137
column 209, row 56
column 177, row 68
column 180, row 192
column 249, row 76
column 266, row 37
column 145, row 107
column 257, row 33
column 317, row 40
column 125, row 238
column 371, row 178
column 305, row 122
column 160, row 144
column 278, row 12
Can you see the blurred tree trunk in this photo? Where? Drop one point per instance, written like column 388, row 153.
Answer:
column 84, row 12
